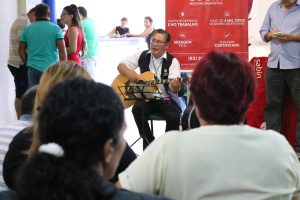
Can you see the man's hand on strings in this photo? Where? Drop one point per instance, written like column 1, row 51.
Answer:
column 174, row 86
column 133, row 76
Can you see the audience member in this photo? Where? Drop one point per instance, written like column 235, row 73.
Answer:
column 9, row 131
column 283, row 69
column 20, row 145
column 74, row 37
column 17, row 152
column 222, row 159
column 14, row 63
column 81, row 135
column 164, row 66
column 40, row 41
column 146, row 33
column 120, row 31
column 89, row 61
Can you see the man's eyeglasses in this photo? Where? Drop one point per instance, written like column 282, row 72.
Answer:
column 158, row 43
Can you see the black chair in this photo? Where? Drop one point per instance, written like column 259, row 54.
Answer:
column 156, row 117
column 151, row 118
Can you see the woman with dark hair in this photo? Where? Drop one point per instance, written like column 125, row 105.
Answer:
column 120, row 31
column 148, row 21
column 81, row 135
column 27, row 141
column 222, row 159
column 74, row 36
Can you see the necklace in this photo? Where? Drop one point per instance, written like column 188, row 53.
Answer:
column 156, row 68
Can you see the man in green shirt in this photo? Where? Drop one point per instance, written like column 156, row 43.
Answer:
column 90, row 59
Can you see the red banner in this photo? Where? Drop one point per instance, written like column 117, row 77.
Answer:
column 255, row 115
column 199, row 26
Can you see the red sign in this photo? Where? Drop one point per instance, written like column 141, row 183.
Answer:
column 199, row 26
column 255, row 115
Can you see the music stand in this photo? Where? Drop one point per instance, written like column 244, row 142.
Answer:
column 140, row 90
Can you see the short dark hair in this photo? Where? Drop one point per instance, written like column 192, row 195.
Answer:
column 222, row 87
column 60, row 24
column 41, row 10
column 124, row 19
column 81, row 108
column 31, row 11
column 27, row 100
column 82, row 11
column 149, row 18
column 80, row 116
column 162, row 31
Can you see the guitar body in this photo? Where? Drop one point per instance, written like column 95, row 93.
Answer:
column 119, row 86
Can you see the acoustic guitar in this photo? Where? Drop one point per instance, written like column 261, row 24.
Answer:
column 122, row 86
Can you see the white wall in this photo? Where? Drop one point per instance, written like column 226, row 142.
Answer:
column 107, row 13
column 9, row 10
column 257, row 15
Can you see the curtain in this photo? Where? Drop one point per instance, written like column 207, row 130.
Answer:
column 51, row 4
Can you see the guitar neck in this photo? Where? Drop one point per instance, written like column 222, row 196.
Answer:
column 164, row 81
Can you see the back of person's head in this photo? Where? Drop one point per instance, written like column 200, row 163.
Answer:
column 149, row 19
column 162, row 31
column 222, row 88
column 78, row 119
column 82, row 11
column 27, row 101
column 60, row 24
column 124, row 19
column 54, row 74
column 41, row 11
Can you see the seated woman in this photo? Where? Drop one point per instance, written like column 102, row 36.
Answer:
column 222, row 159
column 20, row 145
column 81, row 135
column 148, row 21
column 120, row 31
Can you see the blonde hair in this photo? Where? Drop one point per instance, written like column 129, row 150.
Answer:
column 56, row 73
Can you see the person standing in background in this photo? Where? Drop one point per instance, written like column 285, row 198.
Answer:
column 15, row 65
column 89, row 61
column 74, row 37
column 281, row 27
column 148, row 21
column 39, row 43
column 120, row 31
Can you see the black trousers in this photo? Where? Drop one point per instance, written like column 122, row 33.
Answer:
column 277, row 81
column 141, row 111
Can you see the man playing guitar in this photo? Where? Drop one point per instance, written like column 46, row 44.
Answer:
column 163, row 66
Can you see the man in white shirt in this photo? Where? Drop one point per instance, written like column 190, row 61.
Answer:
column 10, row 130
column 164, row 66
